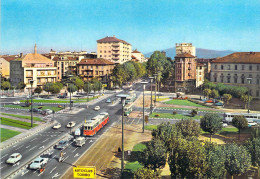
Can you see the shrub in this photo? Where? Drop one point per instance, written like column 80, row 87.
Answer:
column 157, row 115
column 174, row 112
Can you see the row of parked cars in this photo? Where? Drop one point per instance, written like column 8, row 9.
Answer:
column 40, row 111
column 69, row 125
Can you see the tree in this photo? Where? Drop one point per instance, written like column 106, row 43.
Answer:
column 237, row 159
column 154, row 155
column 194, row 112
column 188, row 127
column 244, row 98
column 21, row 85
column 147, row 173
column 187, row 159
column 55, row 88
column 5, row 85
column 227, row 97
column 119, row 75
column 47, row 87
column 130, row 71
column 60, row 85
column 87, row 88
column 97, row 85
column 211, row 123
column 207, row 92
column 38, row 90
column 78, row 82
column 215, row 158
column 214, row 94
column 240, row 122
column 72, row 88
column 253, row 147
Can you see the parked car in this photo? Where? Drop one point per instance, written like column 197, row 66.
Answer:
column 219, row 104
column 251, row 123
column 35, row 110
column 108, row 100
column 14, row 158
column 47, row 111
column 80, row 141
column 57, row 126
column 62, row 144
column 71, row 124
column 16, row 102
column 224, row 124
column 97, row 108
column 38, row 163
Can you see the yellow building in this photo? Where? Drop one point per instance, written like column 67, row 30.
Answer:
column 4, row 68
column 138, row 56
column 32, row 66
column 113, row 49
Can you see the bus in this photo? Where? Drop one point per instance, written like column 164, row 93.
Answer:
column 249, row 116
column 92, row 126
column 128, row 109
column 131, row 98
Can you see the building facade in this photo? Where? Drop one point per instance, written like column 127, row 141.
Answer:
column 95, row 68
column 68, row 54
column 185, row 48
column 32, row 66
column 185, row 72
column 113, row 49
column 238, row 69
column 200, row 74
column 138, row 56
column 5, row 65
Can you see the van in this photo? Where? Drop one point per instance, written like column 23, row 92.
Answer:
column 80, row 141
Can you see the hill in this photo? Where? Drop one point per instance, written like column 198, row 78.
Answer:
column 200, row 53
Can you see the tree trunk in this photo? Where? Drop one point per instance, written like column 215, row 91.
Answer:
column 210, row 137
column 239, row 134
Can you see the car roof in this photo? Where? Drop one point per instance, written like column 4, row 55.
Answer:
column 38, row 159
column 14, row 154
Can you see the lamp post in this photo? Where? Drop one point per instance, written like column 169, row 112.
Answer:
column 249, row 82
column 31, row 82
column 70, row 88
column 151, row 106
column 143, row 101
column 155, row 78
column 123, row 97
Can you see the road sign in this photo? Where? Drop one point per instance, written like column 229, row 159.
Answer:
column 84, row 172
column 146, row 119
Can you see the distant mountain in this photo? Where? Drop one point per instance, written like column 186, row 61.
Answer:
column 200, row 53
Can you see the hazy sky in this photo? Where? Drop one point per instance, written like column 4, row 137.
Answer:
column 147, row 24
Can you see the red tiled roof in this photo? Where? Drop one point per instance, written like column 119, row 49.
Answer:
column 136, row 51
column 96, row 61
column 240, row 57
column 65, row 58
column 9, row 58
column 112, row 39
column 185, row 55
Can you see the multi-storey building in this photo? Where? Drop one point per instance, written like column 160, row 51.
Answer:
column 200, row 74
column 32, row 66
column 5, row 65
column 64, row 64
column 206, row 62
column 185, row 48
column 185, row 72
column 83, row 54
column 113, row 49
column 95, row 68
column 240, row 68
column 138, row 56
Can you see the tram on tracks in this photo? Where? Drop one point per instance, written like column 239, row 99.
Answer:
column 92, row 126
column 249, row 116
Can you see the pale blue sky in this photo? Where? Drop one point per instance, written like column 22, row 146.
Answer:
column 147, row 24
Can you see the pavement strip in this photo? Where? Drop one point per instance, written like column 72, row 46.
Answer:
column 53, row 170
column 19, row 147
column 4, row 156
column 28, row 146
column 32, row 148
column 74, row 150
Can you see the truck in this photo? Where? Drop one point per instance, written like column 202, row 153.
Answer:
column 38, row 163
column 80, row 141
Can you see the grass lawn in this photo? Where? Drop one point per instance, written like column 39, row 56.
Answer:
column 171, row 116
column 42, row 107
column 139, row 147
column 161, row 98
column 190, row 109
column 80, row 100
column 232, row 130
column 16, row 123
column 7, row 134
column 23, row 117
column 133, row 166
column 150, row 127
column 184, row 103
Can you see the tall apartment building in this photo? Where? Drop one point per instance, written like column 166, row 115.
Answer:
column 236, row 69
column 95, row 68
column 83, row 54
column 185, row 72
column 185, row 48
column 113, row 49
column 32, row 66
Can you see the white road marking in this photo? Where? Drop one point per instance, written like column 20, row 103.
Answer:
column 45, row 140
column 35, row 171
column 4, row 156
column 90, row 141
column 2, row 167
column 28, row 146
column 24, row 173
column 33, row 148
column 76, row 155
column 33, row 139
column 56, row 175
column 14, row 145
column 19, row 147
column 53, row 170
column 41, row 147
column 65, row 158
column 74, row 150
column 40, row 173
column 54, row 156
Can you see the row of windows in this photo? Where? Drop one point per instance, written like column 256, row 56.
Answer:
column 243, row 67
column 235, row 79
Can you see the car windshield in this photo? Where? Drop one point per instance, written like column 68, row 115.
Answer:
column 13, row 156
column 37, row 161
column 62, row 142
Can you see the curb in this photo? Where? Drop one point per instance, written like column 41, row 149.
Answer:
column 188, row 110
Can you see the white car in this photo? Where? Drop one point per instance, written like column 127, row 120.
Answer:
column 252, row 123
column 38, row 163
column 97, row 108
column 71, row 124
column 16, row 102
column 224, row 124
column 57, row 126
column 14, row 158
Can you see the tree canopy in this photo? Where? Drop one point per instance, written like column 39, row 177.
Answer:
column 189, row 128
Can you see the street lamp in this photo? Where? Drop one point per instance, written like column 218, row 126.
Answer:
column 31, row 82
column 70, row 88
column 151, row 106
column 123, row 97
column 155, row 77
column 249, row 82
column 144, row 82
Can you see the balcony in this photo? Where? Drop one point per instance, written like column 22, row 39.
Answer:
column 189, row 68
column 115, row 58
column 115, row 45
column 189, row 74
